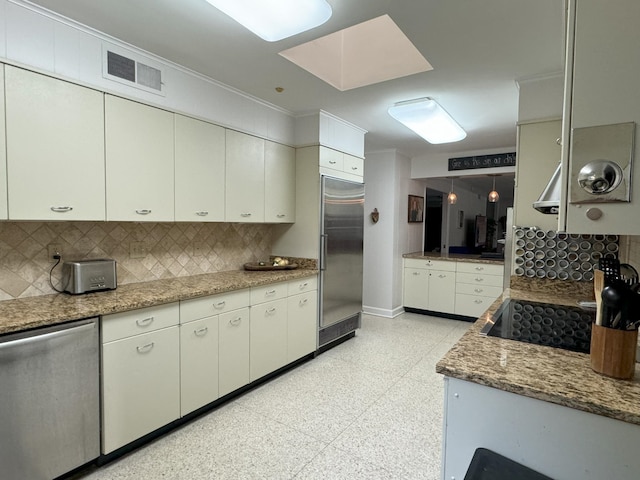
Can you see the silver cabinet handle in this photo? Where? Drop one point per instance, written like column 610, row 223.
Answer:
column 143, row 211
column 332, row 162
column 478, row 290
column 269, row 293
column 270, row 311
column 145, row 322
column 416, row 273
column 303, row 302
column 302, row 286
column 235, row 321
column 202, row 214
column 145, row 348
column 201, row 332
column 61, row 209
column 479, row 269
column 479, row 279
column 245, row 214
column 478, row 301
column 219, row 304
column 281, row 215
column 442, row 276
column 354, row 168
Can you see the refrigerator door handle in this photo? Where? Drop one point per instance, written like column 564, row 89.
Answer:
column 323, row 251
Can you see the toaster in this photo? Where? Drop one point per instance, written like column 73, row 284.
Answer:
column 84, row 276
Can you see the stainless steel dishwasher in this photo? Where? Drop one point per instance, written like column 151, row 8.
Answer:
column 49, row 398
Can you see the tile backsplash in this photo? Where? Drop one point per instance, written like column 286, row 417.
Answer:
column 159, row 250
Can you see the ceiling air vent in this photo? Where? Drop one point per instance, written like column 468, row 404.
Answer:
column 129, row 71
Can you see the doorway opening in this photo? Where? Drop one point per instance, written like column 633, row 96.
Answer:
column 433, row 221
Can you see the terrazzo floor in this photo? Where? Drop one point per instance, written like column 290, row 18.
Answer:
column 370, row 408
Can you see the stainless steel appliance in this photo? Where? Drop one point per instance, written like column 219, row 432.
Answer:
column 341, row 242
column 82, row 276
column 49, row 392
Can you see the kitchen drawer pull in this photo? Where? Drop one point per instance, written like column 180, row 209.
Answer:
column 219, row 304
column 202, row 214
column 302, row 286
column 143, row 211
column 478, row 301
column 269, row 293
column 235, row 321
column 145, row 322
column 354, row 168
column 61, row 209
column 416, row 273
column 145, row 348
column 479, row 279
column 332, row 162
column 303, row 302
column 270, row 311
column 478, row 290
column 281, row 215
column 479, row 269
column 245, row 215
column 201, row 332
column 442, row 276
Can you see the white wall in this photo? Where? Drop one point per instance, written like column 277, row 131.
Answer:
column 52, row 44
column 387, row 188
column 540, row 97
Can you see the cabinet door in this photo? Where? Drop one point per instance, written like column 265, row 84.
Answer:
column 3, row 151
column 198, row 363
column 55, row 148
column 302, row 325
column 330, row 158
column 472, row 305
column 353, row 165
column 244, row 186
column 139, row 146
column 268, row 337
column 141, row 386
column 416, row 288
column 538, row 157
column 442, row 291
column 200, row 163
column 233, row 350
column 279, row 183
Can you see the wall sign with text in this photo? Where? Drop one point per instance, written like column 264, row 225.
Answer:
column 483, row 161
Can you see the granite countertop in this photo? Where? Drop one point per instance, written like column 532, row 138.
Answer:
column 33, row 312
column 550, row 374
column 452, row 257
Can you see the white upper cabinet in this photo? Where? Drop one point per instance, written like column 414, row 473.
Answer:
column 139, row 158
column 341, row 165
column 3, row 151
column 244, row 186
column 601, row 89
column 199, row 170
column 280, row 183
column 55, row 148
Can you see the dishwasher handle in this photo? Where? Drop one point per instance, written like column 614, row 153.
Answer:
column 46, row 334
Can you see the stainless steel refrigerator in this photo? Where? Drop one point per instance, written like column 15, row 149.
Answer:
column 341, row 242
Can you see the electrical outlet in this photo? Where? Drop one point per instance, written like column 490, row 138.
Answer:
column 54, row 249
column 137, row 250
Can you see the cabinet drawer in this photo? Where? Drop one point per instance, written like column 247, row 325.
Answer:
column 135, row 322
column 266, row 293
column 302, row 285
column 213, row 305
column 472, row 305
column 353, row 165
column 480, row 279
column 444, row 265
column 489, row 269
column 479, row 290
column 331, row 159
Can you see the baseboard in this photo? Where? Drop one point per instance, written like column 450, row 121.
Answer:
column 382, row 312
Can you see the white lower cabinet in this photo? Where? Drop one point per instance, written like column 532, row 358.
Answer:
column 140, row 380
column 302, row 325
column 233, row 350
column 268, row 337
column 198, row 363
column 477, row 287
column 429, row 285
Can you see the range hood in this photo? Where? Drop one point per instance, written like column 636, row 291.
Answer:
column 549, row 201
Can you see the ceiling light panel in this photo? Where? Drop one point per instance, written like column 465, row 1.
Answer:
column 370, row 52
column 428, row 119
column 273, row 20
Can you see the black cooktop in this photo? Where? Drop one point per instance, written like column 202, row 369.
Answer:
column 558, row 326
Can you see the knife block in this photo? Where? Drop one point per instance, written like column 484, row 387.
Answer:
column 613, row 351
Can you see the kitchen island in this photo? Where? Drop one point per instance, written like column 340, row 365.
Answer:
column 540, row 406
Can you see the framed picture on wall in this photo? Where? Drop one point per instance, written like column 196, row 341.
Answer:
column 416, row 209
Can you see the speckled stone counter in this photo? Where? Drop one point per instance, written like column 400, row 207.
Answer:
column 453, row 257
column 545, row 373
column 27, row 313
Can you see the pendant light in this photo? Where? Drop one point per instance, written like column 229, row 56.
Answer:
column 494, row 196
column 452, row 198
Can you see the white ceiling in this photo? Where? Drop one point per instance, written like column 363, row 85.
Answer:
column 478, row 48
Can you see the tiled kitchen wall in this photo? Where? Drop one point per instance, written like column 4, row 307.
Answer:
column 169, row 250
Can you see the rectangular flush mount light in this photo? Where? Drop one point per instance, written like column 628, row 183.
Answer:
column 273, row 20
column 428, row 119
